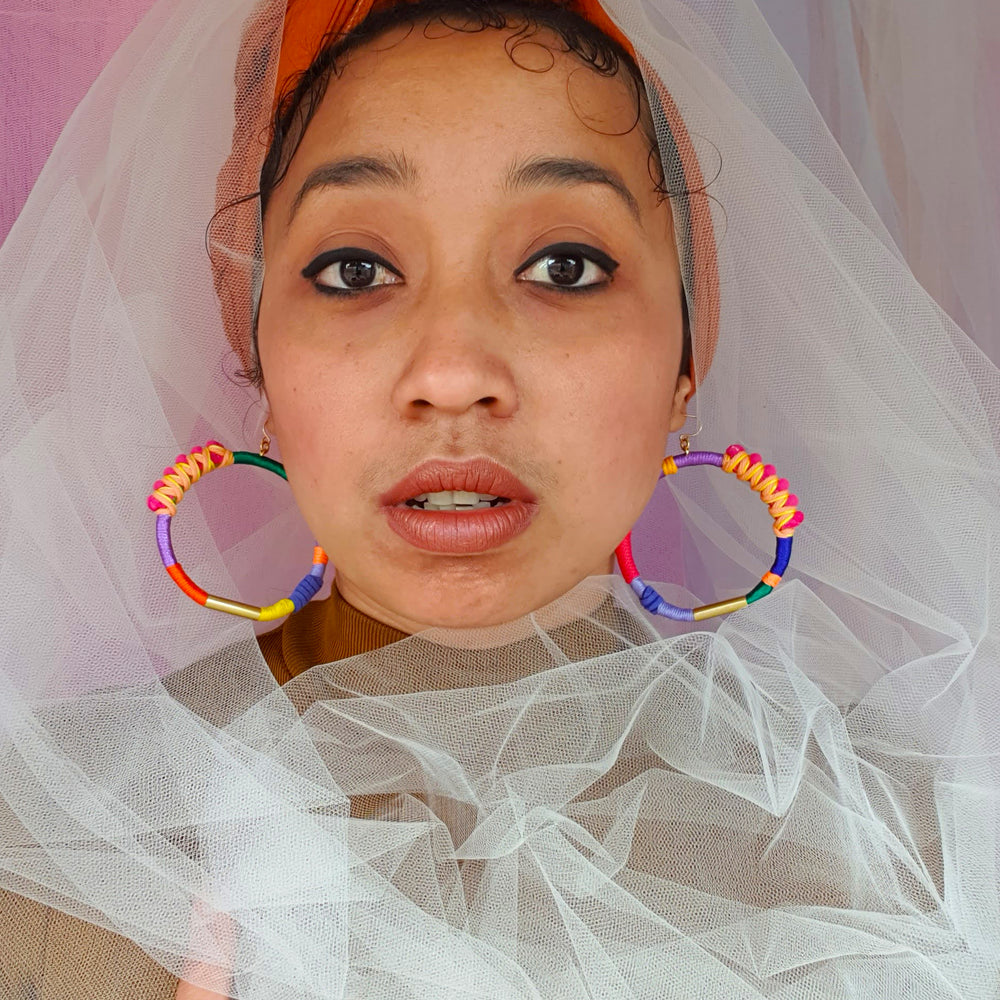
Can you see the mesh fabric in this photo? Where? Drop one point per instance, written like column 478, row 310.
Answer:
column 799, row 801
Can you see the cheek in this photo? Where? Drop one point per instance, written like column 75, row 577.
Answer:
column 609, row 411
column 321, row 415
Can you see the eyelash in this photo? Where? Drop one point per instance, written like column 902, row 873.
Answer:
column 330, row 257
column 572, row 250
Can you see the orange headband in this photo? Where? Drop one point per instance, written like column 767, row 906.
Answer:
column 306, row 24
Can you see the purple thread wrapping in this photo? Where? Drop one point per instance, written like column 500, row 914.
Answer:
column 651, row 600
column 698, row 458
column 667, row 610
column 163, row 539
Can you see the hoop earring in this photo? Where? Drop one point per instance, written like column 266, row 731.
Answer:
column 781, row 504
column 168, row 493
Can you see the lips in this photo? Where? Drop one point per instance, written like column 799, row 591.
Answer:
column 460, row 532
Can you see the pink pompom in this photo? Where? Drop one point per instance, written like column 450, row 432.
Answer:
column 733, row 450
column 153, row 504
column 754, row 458
column 782, row 485
column 769, row 470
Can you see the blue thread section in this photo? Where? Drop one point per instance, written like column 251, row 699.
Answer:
column 318, row 570
column 651, row 600
column 782, row 555
column 307, row 589
column 656, row 605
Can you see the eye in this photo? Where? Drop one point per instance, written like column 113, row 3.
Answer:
column 348, row 270
column 568, row 266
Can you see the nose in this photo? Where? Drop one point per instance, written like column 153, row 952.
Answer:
column 459, row 362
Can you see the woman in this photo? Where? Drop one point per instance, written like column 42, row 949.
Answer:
column 472, row 281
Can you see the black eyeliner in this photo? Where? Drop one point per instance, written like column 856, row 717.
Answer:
column 607, row 264
column 328, row 257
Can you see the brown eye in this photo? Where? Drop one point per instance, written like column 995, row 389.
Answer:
column 350, row 269
column 565, row 270
column 568, row 266
column 357, row 273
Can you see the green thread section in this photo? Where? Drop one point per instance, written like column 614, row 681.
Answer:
column 761, row 590
column 261, row 461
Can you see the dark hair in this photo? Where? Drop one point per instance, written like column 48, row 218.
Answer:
column 604, row 55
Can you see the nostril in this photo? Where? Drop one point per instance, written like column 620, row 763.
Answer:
column 488, row 400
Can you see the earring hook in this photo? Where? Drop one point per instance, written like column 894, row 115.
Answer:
column 685, row 438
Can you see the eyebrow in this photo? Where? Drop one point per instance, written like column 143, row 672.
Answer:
column 393, row 171
column 543, row 171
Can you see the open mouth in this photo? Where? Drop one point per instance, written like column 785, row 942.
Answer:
column 455, row 500
column 459, row 507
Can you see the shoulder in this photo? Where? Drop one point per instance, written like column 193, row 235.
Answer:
column 50, row 955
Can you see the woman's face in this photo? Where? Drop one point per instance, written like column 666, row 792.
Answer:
column 468, row 288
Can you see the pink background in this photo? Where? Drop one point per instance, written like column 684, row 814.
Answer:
column 51, row 51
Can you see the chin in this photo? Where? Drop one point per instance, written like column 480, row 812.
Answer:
column 466, row 596
column 462, row 593
column 446, row 605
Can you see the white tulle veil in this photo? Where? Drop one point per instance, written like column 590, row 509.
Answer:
column 800, row 800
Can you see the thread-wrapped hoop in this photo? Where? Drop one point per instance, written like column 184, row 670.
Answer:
column 168, row 493
column 782, row 504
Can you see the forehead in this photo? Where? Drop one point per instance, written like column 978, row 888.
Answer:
column 476, row 93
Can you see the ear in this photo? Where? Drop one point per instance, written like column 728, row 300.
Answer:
column 683, row 392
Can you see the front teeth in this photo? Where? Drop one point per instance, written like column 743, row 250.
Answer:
column 455, row 500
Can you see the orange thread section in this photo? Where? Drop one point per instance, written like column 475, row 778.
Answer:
column 186, row 471
column 773, row 491
column 187, row 584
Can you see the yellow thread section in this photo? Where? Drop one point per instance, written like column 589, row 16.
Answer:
column 719, row 608
column 233, row 607
column 186, row 471
column 771, row 579
column 767, row 486
column 277, row 610
column 669, row 466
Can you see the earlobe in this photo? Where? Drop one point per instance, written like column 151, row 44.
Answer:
column 682, row 394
